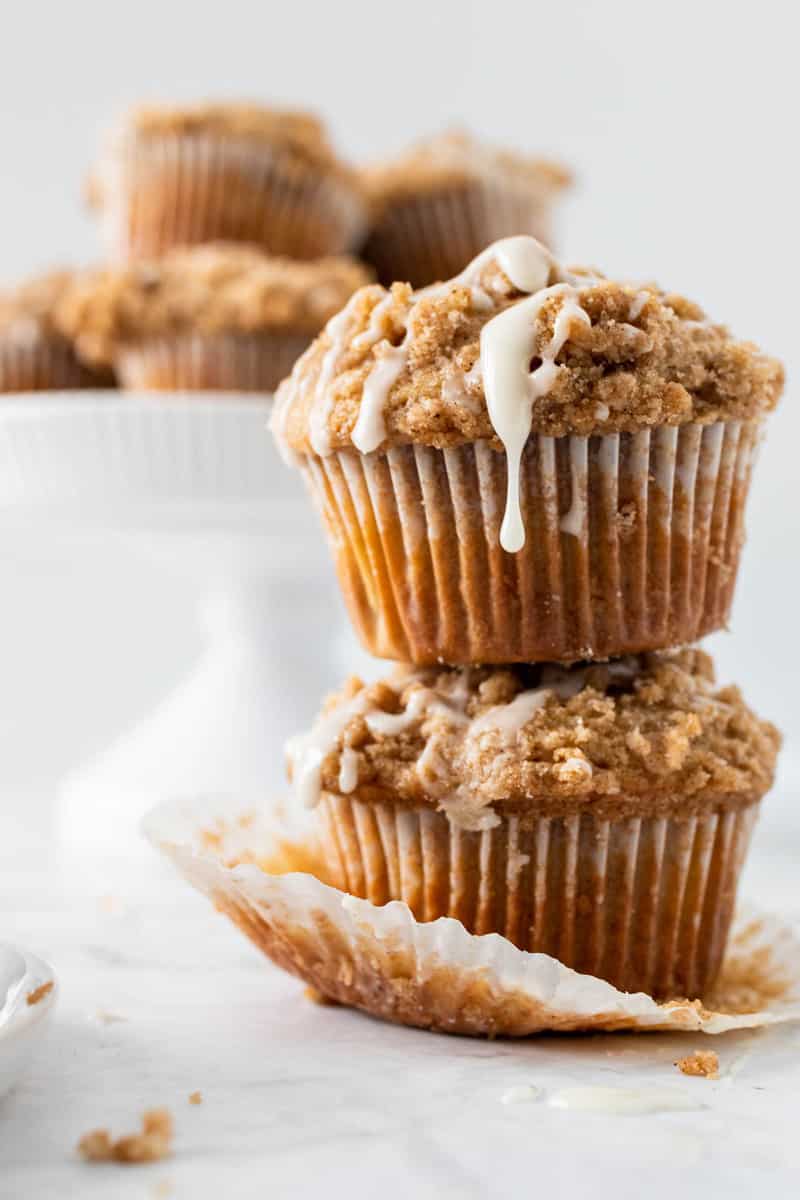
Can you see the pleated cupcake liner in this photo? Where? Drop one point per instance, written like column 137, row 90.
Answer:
column 437, row 975
column 643, row 902
column 184, row 190
column 227, row 362
column 632, row 544
column 426, row 238
column 45, row 364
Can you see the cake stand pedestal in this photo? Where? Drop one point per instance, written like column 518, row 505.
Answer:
column 193, row 483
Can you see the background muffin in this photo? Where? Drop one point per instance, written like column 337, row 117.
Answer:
column 225, row 172
column 35, row 353
column 599, row 814
column 221, row 317
column 433, row 208
column 527, row 463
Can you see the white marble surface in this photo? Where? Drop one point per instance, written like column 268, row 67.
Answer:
column 161, row 997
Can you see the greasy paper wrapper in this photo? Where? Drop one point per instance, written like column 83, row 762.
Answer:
column 44, row 364
column 424, row 238
column 157, row 193
column 644, row 902
column 632, row 543
column 437, row 975
column 225, row 362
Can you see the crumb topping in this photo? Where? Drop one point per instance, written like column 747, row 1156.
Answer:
column 300, row 134
column 410, row 364
column 456, row 156
column 152, row 1143
column 38, row 994
column 650, row 727
column 30, row 308
column 702, row 1062
column 210, row 288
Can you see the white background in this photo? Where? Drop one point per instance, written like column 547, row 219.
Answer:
column 679, row 120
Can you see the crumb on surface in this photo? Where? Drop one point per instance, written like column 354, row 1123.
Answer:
column 152, row 1143
column 317, row 997
column 195, row 1097
column 701, row 1062
column 38, row 994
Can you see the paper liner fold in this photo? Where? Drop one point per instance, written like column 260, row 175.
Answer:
column 224, row 362
column 157, row 193
column 632, row 543
column 436, row 975
column 44, row 364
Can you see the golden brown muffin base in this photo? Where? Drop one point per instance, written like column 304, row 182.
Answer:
column 227, row 362
column 644, row 902
column 632, row 544
column 46, row 364
column 420, row 239
column 183, row 190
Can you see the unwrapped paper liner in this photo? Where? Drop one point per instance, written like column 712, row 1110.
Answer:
column 436, row 975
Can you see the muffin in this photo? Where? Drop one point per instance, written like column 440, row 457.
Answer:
column 599, row 813
column 35, row 353
column 219, row 317
column 437, row 205
column 224, row 172
column 527, row 463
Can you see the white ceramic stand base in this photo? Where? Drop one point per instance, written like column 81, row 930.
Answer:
column 193, row 484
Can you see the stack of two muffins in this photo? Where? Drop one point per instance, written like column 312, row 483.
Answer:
column 543, row 471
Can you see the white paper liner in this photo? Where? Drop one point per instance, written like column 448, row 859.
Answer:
column 157, row 193
column 436, row 975
column 632, row 544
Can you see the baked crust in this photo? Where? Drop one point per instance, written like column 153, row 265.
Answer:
column 648, row 734
column 215, row 288
column 645, row 357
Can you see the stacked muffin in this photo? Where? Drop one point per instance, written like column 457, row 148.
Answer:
column 533, row 482
column 227, row 227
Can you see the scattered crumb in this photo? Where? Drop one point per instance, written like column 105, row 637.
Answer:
column 152, row 1143
column 702, row 1062
column 39, row 993
column 195, row 1097
column 106, row 1017
column 520, row 1094
column 163, row 1189
column 112, row 904
column 317, row 997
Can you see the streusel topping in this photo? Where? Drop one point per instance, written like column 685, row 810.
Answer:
column 474, row 742
column 300, row 134
column 588, row 355
column 209, row 288
column 29, row 309
column 455, row 156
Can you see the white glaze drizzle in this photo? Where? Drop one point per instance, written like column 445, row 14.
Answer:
column 348, row 770
column 508, row 343
column 319, row 433
column 637, row 304
column 307, row 751
column 370, row 428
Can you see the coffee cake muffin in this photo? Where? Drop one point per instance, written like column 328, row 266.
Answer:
column 528, row 463
column 221, row 317
column 35, row 352
column 172, row 176
column 599, row 813
column 435, row 207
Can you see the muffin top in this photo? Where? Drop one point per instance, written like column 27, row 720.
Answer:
column 515, row 334
column 211, row 288
column 300, row 134
column 29, row 310
column 645, row 733
column 453, row 157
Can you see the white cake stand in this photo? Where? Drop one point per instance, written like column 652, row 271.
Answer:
column 194, row 482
